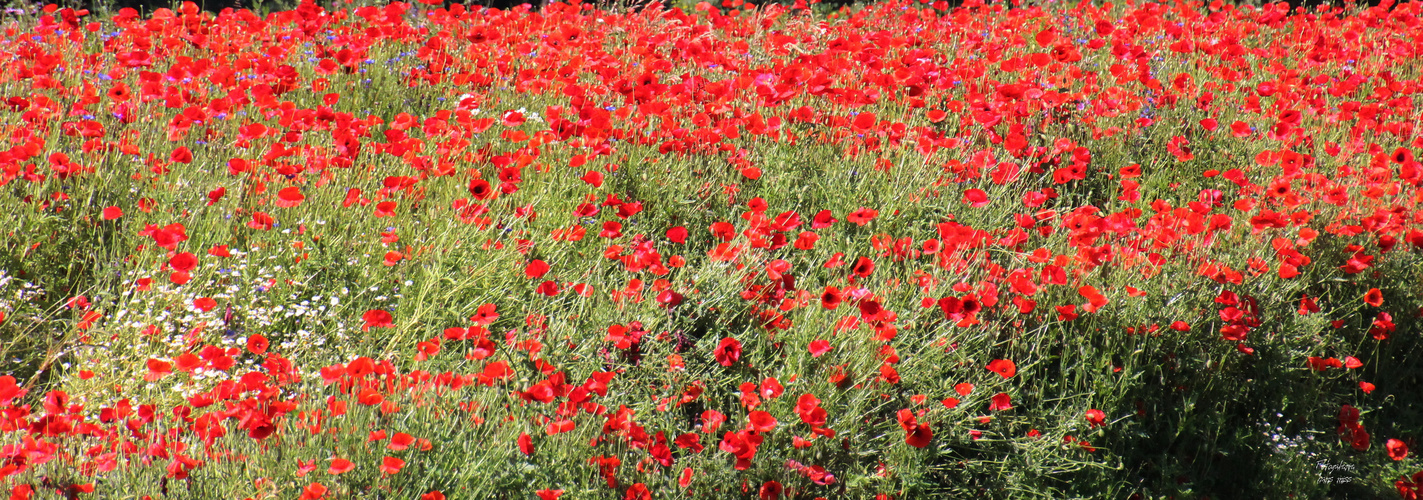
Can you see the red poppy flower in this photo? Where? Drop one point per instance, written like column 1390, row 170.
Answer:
column 1397, row 449
column 638, row 491
column 340, row 466
column 975, row 197
column 1321, row 364
column 830, row 299
column 749, row 399
column 1003, row 367
column 261, row 222
column 498, row 370
column 480, row 189
column 111, row 213
column 711, row 421
column 257, row 344
column 593, row 178
column 1095, row 299
column 690, row 441
column 723, row 230
column 1001, row 401
column 771, row 388
column 157, row 369
column 864, row 121
column 806, row 240
column 761, row 421
column 400, row 441
column 183, row 262
column 353, row 196
column 863, row 267
column 290, row 197
column 556, row 427
column 313, row 491
column 1096, row 418
column 526, row 444
column 1373, row 297
column 370, row 397
column 862, row 216
column 376, row 318
column 391, row 465
column 9, row 390
column 770, row 490
column 1382, row 326
column 536, row 269
column 512, row 118
column 742, row 445
column 304, row 467
column 392, row 258
column 181, row 155
column 611, row 229
column 385, row 209
column 919, row 436
column 916, row 433
column 819, row 347
column 728, row 351
column 547, row 289
column 888, row 373
column 485, row 315
column 677, row 234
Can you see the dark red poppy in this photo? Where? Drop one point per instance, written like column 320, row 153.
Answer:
column 728, row 351
column 863, row 267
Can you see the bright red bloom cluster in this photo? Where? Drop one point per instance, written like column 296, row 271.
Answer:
column 655, row 202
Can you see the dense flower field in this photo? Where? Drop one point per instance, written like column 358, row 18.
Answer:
column 414, row 251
